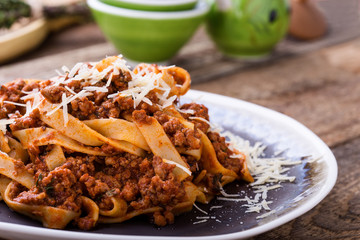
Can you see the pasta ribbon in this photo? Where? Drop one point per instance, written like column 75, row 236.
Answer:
column 119, row 208
column 4, row 143
column 74, row 128
column 51, row 217
column 55, row 158
column 48, row 136
column 193, row 193
column 15, row 170
column 129, row 215
column 245, row 173
column 4, row 182
column 160, row 144
column 210, row 161
column 196, row 153
column 178, row 79
column 181, row 77
column 119, row 129
column 171, row 111
column 80, row 132
column 92, row 210
column 17, row 151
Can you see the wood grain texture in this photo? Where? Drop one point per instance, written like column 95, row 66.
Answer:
column 308, row 88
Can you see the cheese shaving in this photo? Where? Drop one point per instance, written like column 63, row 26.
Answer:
column 147, row 100
column 75, row 69
column 267, row 172
column 168, row 102
column 70, row 90
column 4, row 123
column 215, row 207
column 97, row 89
column 200, row 119
column 166, row 67
column 185, row 169
column 16, row 104
column 201, row 221
column 66, row 100
column 203, row 217
column 232, row 199
column 65, row 110
column 65, row 69
column 266, row 214
column 196, row 206
column 187, row 111
column 58, row 72
column 222, row 191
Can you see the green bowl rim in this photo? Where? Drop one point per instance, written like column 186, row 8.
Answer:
column 159, row 3
column 201, row 8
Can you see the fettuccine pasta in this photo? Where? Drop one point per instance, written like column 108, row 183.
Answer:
column 103, row 144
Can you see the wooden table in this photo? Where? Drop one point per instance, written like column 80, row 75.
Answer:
column 318, row 86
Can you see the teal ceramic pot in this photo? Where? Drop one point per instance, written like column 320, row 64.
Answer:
column 145, row 36
column 247, row 28
column 154, row 5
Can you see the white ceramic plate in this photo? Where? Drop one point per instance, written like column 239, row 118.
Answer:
column 313, row 182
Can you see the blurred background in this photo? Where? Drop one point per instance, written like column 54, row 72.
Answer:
column 69, row 34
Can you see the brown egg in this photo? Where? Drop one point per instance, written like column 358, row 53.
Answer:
column 307, row 21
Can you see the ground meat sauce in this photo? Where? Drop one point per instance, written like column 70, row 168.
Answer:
column 223, row 153
column 179, row 135
column 143, row 182
column 200, row 111
column 12, row 93
column 31, row 121
column 53, row 93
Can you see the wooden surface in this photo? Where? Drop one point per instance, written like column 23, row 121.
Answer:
column 316, row 83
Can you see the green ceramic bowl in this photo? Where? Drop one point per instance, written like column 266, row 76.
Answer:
column 154, row 5
column 247, row 28
column 147, row 36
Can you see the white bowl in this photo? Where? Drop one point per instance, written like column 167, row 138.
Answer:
column 15, row 43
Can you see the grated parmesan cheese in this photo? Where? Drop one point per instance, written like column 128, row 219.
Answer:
column 65, row 69
column 96, row 89
column 268, row 173
column 67, row 100
column 222, row 191
column 215, row 207
column 70, row 90
column 4, row 123
column 266, row 214
column 187, row 111
column 16, row 104
column 75, row 69
column 204, row 212
column 201, row 221
column 65, row 110
column 178, row 165
column 166, row 67
column 58, row 72
column 200, row 119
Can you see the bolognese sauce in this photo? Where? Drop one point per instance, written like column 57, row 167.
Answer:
column 143, row 181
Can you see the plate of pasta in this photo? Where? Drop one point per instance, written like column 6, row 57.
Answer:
column 103, row 151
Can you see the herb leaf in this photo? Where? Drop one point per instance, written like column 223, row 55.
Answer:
column 40, row 177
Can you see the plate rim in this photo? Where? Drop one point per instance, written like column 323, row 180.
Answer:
column 233, row 103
